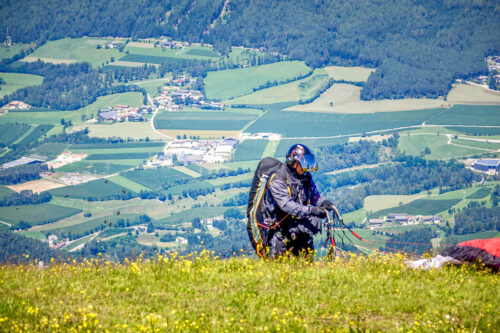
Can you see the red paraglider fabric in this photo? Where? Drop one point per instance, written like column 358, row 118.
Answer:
column 491, row 245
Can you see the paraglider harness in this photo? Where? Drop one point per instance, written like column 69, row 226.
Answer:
column 262, row 223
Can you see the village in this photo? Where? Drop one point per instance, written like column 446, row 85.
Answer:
column 401, row 219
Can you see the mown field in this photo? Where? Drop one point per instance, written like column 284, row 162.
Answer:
column 15, row 81
column 468, row 115
column 91, row 224
column 11, row 132
column 476, row 130
column 188, row 53
column 36, row 214
column 249, row 150
column 34, row 135
column 154, row 178
column 483, row 192
column 189, row 215
column 100, row 168
column 374, row 293
column 438, row 145
column 307, row 124
column 76, row 50
column 355, row 74
column 238, row 82
column 419, row 207
column 51, row 150
column 467, row 94
column 202, row 120
column 100, row 188
column 123, row 130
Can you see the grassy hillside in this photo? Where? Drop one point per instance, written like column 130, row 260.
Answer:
column 192, row 294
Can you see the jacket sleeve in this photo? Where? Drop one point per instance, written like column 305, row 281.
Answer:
column 279, row 191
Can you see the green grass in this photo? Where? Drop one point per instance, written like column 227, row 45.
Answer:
column 11, row 132
column 233, row 179
column 33, row 234
column 357, row 216
column 238, row 82
column 309, row 124
column 468, row 115
column 100, row 168
column 149, row 59
column 154, row 178
column 36, row 214
column 477, row 235
column 189, row 215
column 477, row 144
column 250, row 150
column 51, row 150
column 151, row 86
column 98, row 189
column 4, row 192
column 191, row 186
column 476, row 130
column 419, row 207
column 205, row 120
column 204, row 52
column 37, row 133
column 244, row 294
column 467, row 94
column 77, row 49
column 119, row 156
column 91, row 224
column 173, row 53
column 440, row 149
column 15, row 81
column 481, row 193
column 9, row 52
column 349, row 73
column 313, row 144
column 271, row 148
column 128, row 184
column 118, row 145
column 123, row 130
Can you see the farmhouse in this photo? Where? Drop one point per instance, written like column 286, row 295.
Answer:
column 487, row 165
column 375, row 223
column 17, row 105
column 400, row 218
column 430, row 219
column 108, row 116
column 32, row 159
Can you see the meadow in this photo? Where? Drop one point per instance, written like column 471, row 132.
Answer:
column 232, row 83
column 127, row 183
column 113, row 146
column 34, row 135
column 467, row 94
column 51, row 150
column 249, row 150
column 476, row 130
column 5, row 191
column 439, row 148
column 9, row 52
column 468, row 115
column 189, row 53
column 354, row 74
column 203, row 120
column 419, row 207
column 134, row 130
column 99, row 189
column 360, row 293
column 150, row 59
column 120, row 156
column 314, row 144
column 101, row 168
column 477, row 144
column 76, row 50
column 15, row 81
column 11, row 132
column 308, row 124
column 36, row 214
column 189, row 215
column 154, row 178
column 91, row 224
column 481, row 193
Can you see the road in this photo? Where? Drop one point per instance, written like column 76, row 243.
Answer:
column 153, row 119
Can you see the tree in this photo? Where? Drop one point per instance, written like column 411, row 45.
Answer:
column 150, row 228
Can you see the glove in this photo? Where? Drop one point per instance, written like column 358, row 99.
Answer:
column 318, row 211
column 328, row 205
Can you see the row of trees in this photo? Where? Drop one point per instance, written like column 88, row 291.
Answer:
column 25, row 197
column 22, row 173
column 476, row 218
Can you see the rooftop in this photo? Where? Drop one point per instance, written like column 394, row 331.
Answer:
column 491, row 163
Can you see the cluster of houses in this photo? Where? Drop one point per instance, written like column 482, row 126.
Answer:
column 489, row 166
column 176, row 95
column 493, row 63
column 404, row 219
column 173, row 44
column 123, row 113
column 494, row 68
column 196, row 152
column 14, row 105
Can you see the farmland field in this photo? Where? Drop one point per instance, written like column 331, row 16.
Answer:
column 233, row 179
column 11, row 132
column 312, row 144
column 358, row 216
column 467, row 94
column 15, row 81
column 154, row 178
column 289, row 92
column 37, row 186
column 480, row 193
column 345, row 98
column 76, row 50
column 204, row 52
column 152, row 86
column 188, row 216
column 124, row 130
column 468, row 115
column 206, row 120
column 91, row 224
column 9, row 52
column 349, row 73
column 191, row 186
column 5, row 191
column 375, row 203
column 36, row 214
column 127, row 183
column 149, row 59
column 416, row 144
column 476, row 130
column 188, row 171
column 250, row 150
column 238, row 82
column 120, row 156
column 477, row 235
column 477, row 144
column 51, row 150
column 118, row 145
column 98, row 167
column 98, row 189
column 37, row 133
column 419, row 207
column 190, row 53
column 308, row 124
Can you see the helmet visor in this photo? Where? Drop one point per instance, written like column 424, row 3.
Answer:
column 308, row 163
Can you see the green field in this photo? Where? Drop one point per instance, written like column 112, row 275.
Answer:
column 128, row 184
column 98, row 189
column 289, row 92
column 238, row 82
column 309, row 124
column 232, row 179
column 154, row 178
column 483, row 192
column 358, row 74
column 91, row 224
column 203, row 120
column 477, row 144
column 35, row 134
column 204, row 52
column 120, row 156
column 467, row 94
column 476, row 130
column 419, row 207
column 5, row 191
column 150, row 59
column 151, row 86
column 191, row 186
column 9, row 52
column 313, row 144
column 416, row 144
column 11, row 132
column 468, row 115
column 15, row 81
column 189, row 53
column 250, row 150
column 476, row 235
column 77, row 49
column 36, row 214
column 100, row 168
column 118, row 145
column 189, row 215
column 134, row 130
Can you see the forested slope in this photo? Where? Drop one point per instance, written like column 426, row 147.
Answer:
column 419, row 47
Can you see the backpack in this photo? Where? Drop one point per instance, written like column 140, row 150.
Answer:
column 258, row 225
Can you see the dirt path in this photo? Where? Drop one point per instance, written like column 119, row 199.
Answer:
column 7, row 224
column 464, row 146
